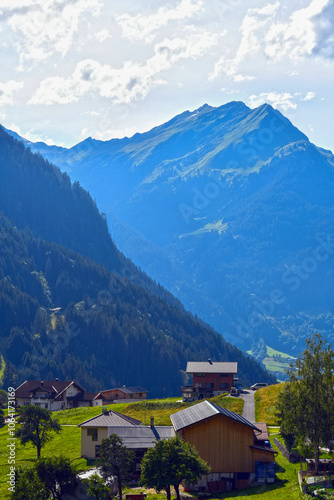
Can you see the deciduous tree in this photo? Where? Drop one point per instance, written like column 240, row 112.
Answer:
column 116, row 461
column 96, row 487
column 170, row 462
column 56, row 473
column 306, row 405
column 37, row 426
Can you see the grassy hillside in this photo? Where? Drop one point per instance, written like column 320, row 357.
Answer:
column 276, row 361
column 68, row 442
column 266, row 404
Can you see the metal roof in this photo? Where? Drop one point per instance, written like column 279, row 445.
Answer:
column 142, row 436
column 202, row 411
column 211, row 367
column 126, row 390
column 110, row 418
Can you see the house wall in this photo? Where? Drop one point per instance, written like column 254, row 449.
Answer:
column 58, row 405
column 213, row 378
column 262, row 456
column 87, row 443
column 97, row 402
column 72, row 390
column 23, row 401
column 224, row 444
column 113, row 394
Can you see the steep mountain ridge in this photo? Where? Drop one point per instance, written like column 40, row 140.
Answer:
column 63, row 314
column 236, row 201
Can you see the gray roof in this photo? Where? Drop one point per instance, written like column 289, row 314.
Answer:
column 110, row 418
column 126, row 390
column 142, row 436
column 202, row 411
column 211, row 367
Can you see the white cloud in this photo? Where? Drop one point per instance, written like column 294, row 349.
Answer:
column 102, row 35
column 45, row 27
column 7, row 90
column 145, row 27
column 250, row 43
column 294, row 38
column 324, row 29
column 270, row 32
column 280, row 100
column 310, row 95
column 130, row 83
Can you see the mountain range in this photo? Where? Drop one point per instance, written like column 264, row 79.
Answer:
column 230, row 209
column 73, row 307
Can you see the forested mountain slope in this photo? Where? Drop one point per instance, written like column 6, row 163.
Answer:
column 231, row 209
column 63, row 314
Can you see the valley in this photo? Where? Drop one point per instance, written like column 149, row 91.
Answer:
column 228, row 208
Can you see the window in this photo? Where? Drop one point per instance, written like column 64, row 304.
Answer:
column 97, row 450
column 201, row 375
column 208, row 385
column 93, row 433
column 223, row 385
column 223, row 374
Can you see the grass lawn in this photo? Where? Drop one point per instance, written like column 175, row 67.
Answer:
column 162, row 409
column 265, row 404
column 286, row 486
column 68, row 441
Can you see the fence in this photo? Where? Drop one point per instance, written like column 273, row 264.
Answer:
column 291, row 457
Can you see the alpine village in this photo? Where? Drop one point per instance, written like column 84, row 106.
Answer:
column 166, row 312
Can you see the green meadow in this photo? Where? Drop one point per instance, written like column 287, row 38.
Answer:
column 68, row 441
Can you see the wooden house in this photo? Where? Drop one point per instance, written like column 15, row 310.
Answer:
column 229, row 443
column 209, row 379
column 120, row 394
column 55, row 395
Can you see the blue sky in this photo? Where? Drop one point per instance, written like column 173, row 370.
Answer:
column 105, row 68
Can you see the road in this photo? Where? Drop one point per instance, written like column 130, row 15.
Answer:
column 249, row 405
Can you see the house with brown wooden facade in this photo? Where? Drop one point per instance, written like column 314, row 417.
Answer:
column 237, row 450
column 55, row 395
column 229, row 443
column 209, row 379
column 120, row 394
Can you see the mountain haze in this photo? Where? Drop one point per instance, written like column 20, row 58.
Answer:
column 230, row 208
column 67, row 306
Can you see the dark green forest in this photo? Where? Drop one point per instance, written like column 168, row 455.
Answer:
column 77, row 315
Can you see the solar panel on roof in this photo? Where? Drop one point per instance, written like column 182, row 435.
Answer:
column 200, row 412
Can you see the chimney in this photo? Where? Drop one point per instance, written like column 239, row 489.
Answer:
column 42, row 383
column 152, row 422
column 209, row 359
column 57, row 379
